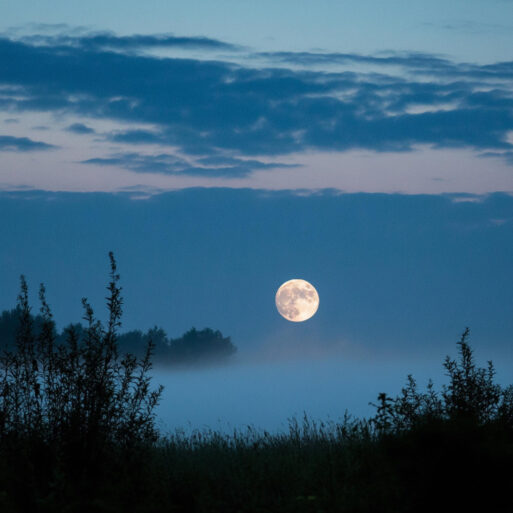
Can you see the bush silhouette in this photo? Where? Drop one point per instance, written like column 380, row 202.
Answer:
column 471, row 396
column 68, row 406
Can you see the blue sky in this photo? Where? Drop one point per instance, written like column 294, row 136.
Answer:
column 399, row 276
column 469, row 30
column 233, row 145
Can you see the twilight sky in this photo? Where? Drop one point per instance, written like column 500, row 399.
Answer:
column 221, row 148
column 416, row 100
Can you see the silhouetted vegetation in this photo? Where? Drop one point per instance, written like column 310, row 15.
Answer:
column 77, row 433
column 192, row 348
column 72, row 412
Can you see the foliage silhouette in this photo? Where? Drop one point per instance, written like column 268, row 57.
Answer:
column 471, row 395
column 192, row 348
column 66, row 406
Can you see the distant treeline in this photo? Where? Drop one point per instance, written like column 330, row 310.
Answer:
column 193, row 347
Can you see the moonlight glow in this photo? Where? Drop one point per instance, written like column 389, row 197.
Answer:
column 297, row 300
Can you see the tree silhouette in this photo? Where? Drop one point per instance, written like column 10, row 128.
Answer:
column 193, row 347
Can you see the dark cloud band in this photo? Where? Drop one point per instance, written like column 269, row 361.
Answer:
column 206, row 107
column 22, row 144
column 216, row 166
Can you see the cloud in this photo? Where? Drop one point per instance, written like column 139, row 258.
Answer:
column 108, row 40
column 505, row 155
column 206, row 107
column 80, row 128
column 412, row 60
column 135, row 137
column 417, row 63
column 164, row 163
column 216, row 166
column 47, row 28
column 23, row 144
column 470, row 26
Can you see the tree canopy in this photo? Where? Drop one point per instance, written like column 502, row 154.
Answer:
column 193, row 347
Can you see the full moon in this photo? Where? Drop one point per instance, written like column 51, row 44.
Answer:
column 297, row 300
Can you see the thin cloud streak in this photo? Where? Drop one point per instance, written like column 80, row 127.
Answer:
column 168, row 164
column 109, row 41
column 22, row 144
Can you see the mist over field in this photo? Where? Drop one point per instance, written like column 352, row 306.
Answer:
column 266, row 394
